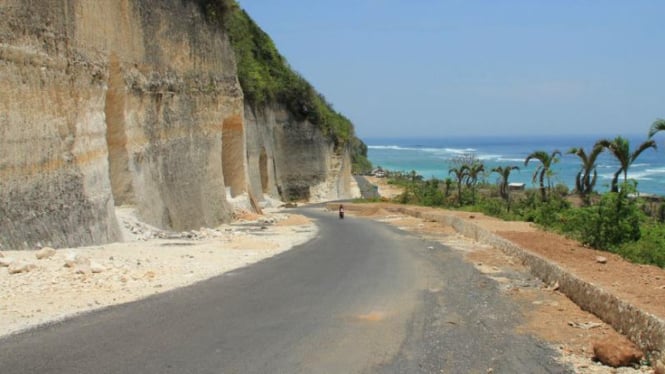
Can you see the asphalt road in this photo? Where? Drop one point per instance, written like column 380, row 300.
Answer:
column 362, row 297
column 367, row 190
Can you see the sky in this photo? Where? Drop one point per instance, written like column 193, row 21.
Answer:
column 426, row 68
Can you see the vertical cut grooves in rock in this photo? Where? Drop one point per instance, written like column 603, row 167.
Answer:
column 116, row 136
column 263, row 171
column 232, row 155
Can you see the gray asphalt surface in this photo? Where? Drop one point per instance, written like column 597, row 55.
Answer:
column 362, row 297
column 367, row 190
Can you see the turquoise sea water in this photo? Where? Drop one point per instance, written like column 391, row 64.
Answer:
column 430, row 157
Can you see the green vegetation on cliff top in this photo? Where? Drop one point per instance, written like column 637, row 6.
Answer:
column 266, row 78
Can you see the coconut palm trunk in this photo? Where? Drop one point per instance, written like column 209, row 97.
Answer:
column 546, row 162
column 504, row 190
column 585, row 180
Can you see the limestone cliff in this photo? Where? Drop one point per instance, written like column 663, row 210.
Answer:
column 294, row 159
column 112, row 102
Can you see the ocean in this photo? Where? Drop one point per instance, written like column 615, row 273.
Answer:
column 431, row 157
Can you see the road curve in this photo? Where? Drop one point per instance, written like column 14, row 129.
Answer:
column 361, row 297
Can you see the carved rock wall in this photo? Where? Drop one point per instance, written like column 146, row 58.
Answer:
column 114, row 102
column 110, row 99
column 54, row 183
column 294, row 159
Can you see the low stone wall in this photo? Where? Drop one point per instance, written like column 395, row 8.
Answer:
column 644, row 329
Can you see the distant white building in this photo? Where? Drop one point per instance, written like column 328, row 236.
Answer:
column 516, row 186
column 378, row 172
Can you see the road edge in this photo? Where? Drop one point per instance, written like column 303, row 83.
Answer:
column 646, row 330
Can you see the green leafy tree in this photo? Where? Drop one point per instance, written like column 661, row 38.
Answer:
column 504, row 175
column 620, row 149
column 544, row 169
column 585, row 180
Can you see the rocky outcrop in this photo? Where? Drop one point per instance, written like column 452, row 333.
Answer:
column 616, row 354
column 136, row 102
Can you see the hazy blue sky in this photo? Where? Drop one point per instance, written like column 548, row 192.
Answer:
column 464, row 67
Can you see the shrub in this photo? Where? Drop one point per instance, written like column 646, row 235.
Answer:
column 493, row 207
column 551, row 212
column 560, row 190
column 547, row 213
column 650, row 249
column 613, row 221
column 431, row 194
column 661, row 213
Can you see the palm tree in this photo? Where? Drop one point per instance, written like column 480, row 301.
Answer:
column 657, row 125
column 620, row 149
column 447, row 182
column 544, row 169
column 460, row 174
column 415, row 176
column 472, row 173
column 504, row 173
column 584, row 180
